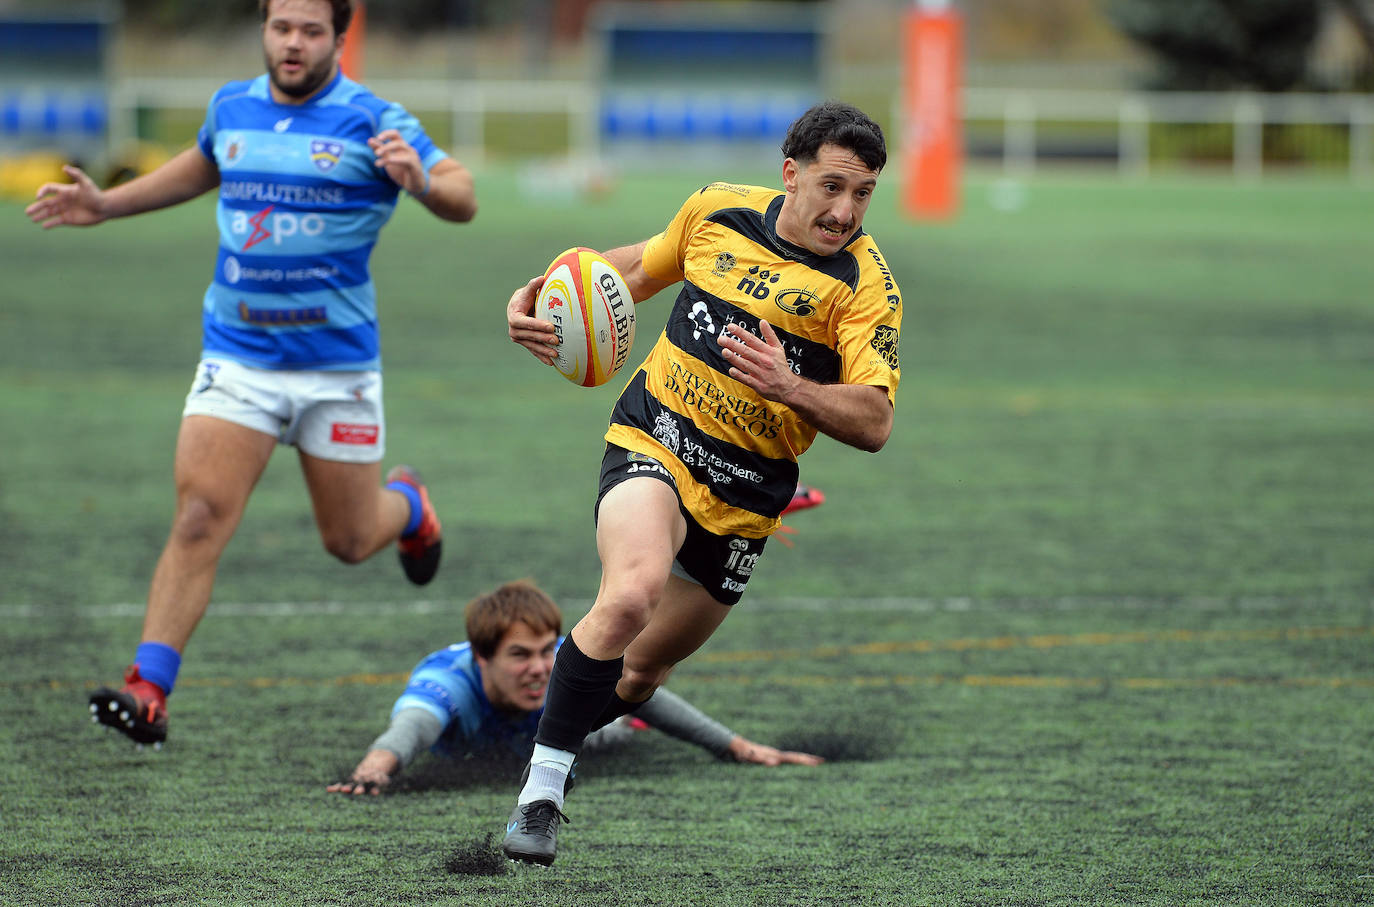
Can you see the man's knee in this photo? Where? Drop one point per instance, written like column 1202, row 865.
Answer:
column 198, row 519
column 349, row 547
column 621, row 613
column 638, row 682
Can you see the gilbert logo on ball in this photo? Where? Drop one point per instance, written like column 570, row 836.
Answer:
column 589, row 305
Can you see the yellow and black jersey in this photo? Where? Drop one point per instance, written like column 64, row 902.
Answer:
column 733, row 453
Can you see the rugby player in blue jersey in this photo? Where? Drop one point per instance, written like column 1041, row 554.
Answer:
column 486, row 695
column 786, row 327
column 309, row 166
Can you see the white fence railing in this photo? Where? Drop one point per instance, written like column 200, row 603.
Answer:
column 1024, row 122
column 467, row 103
column 1134, row 114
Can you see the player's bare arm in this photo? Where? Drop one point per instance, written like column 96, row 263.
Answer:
column 371, row 776
column 81, row 203
column 447, row 189
column 856, row 414
column 629, row 261
column 743, row 750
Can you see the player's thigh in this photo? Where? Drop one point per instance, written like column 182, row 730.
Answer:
column 218, row 463
column 638, row 531
column 345, row 496
column 687, row 615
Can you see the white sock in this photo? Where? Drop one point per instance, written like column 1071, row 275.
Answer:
column 549, row 770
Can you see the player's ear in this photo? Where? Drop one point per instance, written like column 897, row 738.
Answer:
column 790, row 169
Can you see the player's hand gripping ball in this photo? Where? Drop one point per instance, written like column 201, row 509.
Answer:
column 589, row 305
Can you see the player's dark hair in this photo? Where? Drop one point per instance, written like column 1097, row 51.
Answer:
column 489, row 617
column 343, row 13
column 836, row 123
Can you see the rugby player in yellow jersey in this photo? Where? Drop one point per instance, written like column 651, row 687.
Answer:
column 787, row 324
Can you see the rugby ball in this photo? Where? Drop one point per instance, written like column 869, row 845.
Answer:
column 588, row 302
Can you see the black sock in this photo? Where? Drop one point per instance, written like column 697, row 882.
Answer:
column 614, row 709
column 579, row 690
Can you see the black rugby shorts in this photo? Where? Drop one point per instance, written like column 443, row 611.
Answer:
column 722, row 564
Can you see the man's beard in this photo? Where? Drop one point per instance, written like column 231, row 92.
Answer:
column 310, row 80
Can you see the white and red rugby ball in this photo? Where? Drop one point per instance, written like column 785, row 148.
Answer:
column 589, row 305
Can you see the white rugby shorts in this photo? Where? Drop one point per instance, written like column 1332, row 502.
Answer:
column 330, row 415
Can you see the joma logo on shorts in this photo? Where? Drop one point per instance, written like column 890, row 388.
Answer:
column 350, row 433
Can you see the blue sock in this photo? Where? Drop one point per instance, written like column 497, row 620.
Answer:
column 417, row 510
column 158, row 664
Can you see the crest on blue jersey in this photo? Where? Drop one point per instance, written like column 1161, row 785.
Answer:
column 325, row 154
column 233, row 149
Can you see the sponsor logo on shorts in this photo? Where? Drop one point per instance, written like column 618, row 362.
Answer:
column 208, row 371
column 650, row 466
column 353, row 433
column 740, row 560
column 644, row 463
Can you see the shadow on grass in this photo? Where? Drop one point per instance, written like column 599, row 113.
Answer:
column 649, row 755
column 477, row 857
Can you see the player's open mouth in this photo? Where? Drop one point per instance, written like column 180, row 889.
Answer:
column 831, row 230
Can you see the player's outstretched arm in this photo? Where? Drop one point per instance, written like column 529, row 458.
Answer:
column 81, row 203
column 447, row 188
column 371, row 776
column 411, row 731
column 743, row 750
column 671, row 714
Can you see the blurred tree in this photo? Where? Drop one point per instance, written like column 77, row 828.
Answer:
column 183, row 14
column 413, row 15
column 1223, row 44
column 1361, row 17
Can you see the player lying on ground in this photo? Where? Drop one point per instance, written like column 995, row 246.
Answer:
column 488, row 694
column 309, row 166
column 786, row 326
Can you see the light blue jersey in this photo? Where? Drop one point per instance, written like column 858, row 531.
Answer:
column 300, row 206
column 448, row 685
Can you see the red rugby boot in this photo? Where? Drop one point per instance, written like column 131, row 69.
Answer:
column 138, row 709
column 803, row 498
column 419, row 551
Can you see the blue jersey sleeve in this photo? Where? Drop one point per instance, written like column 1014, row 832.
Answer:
column 205, row 138
column 445, row 686
column 397, row 117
